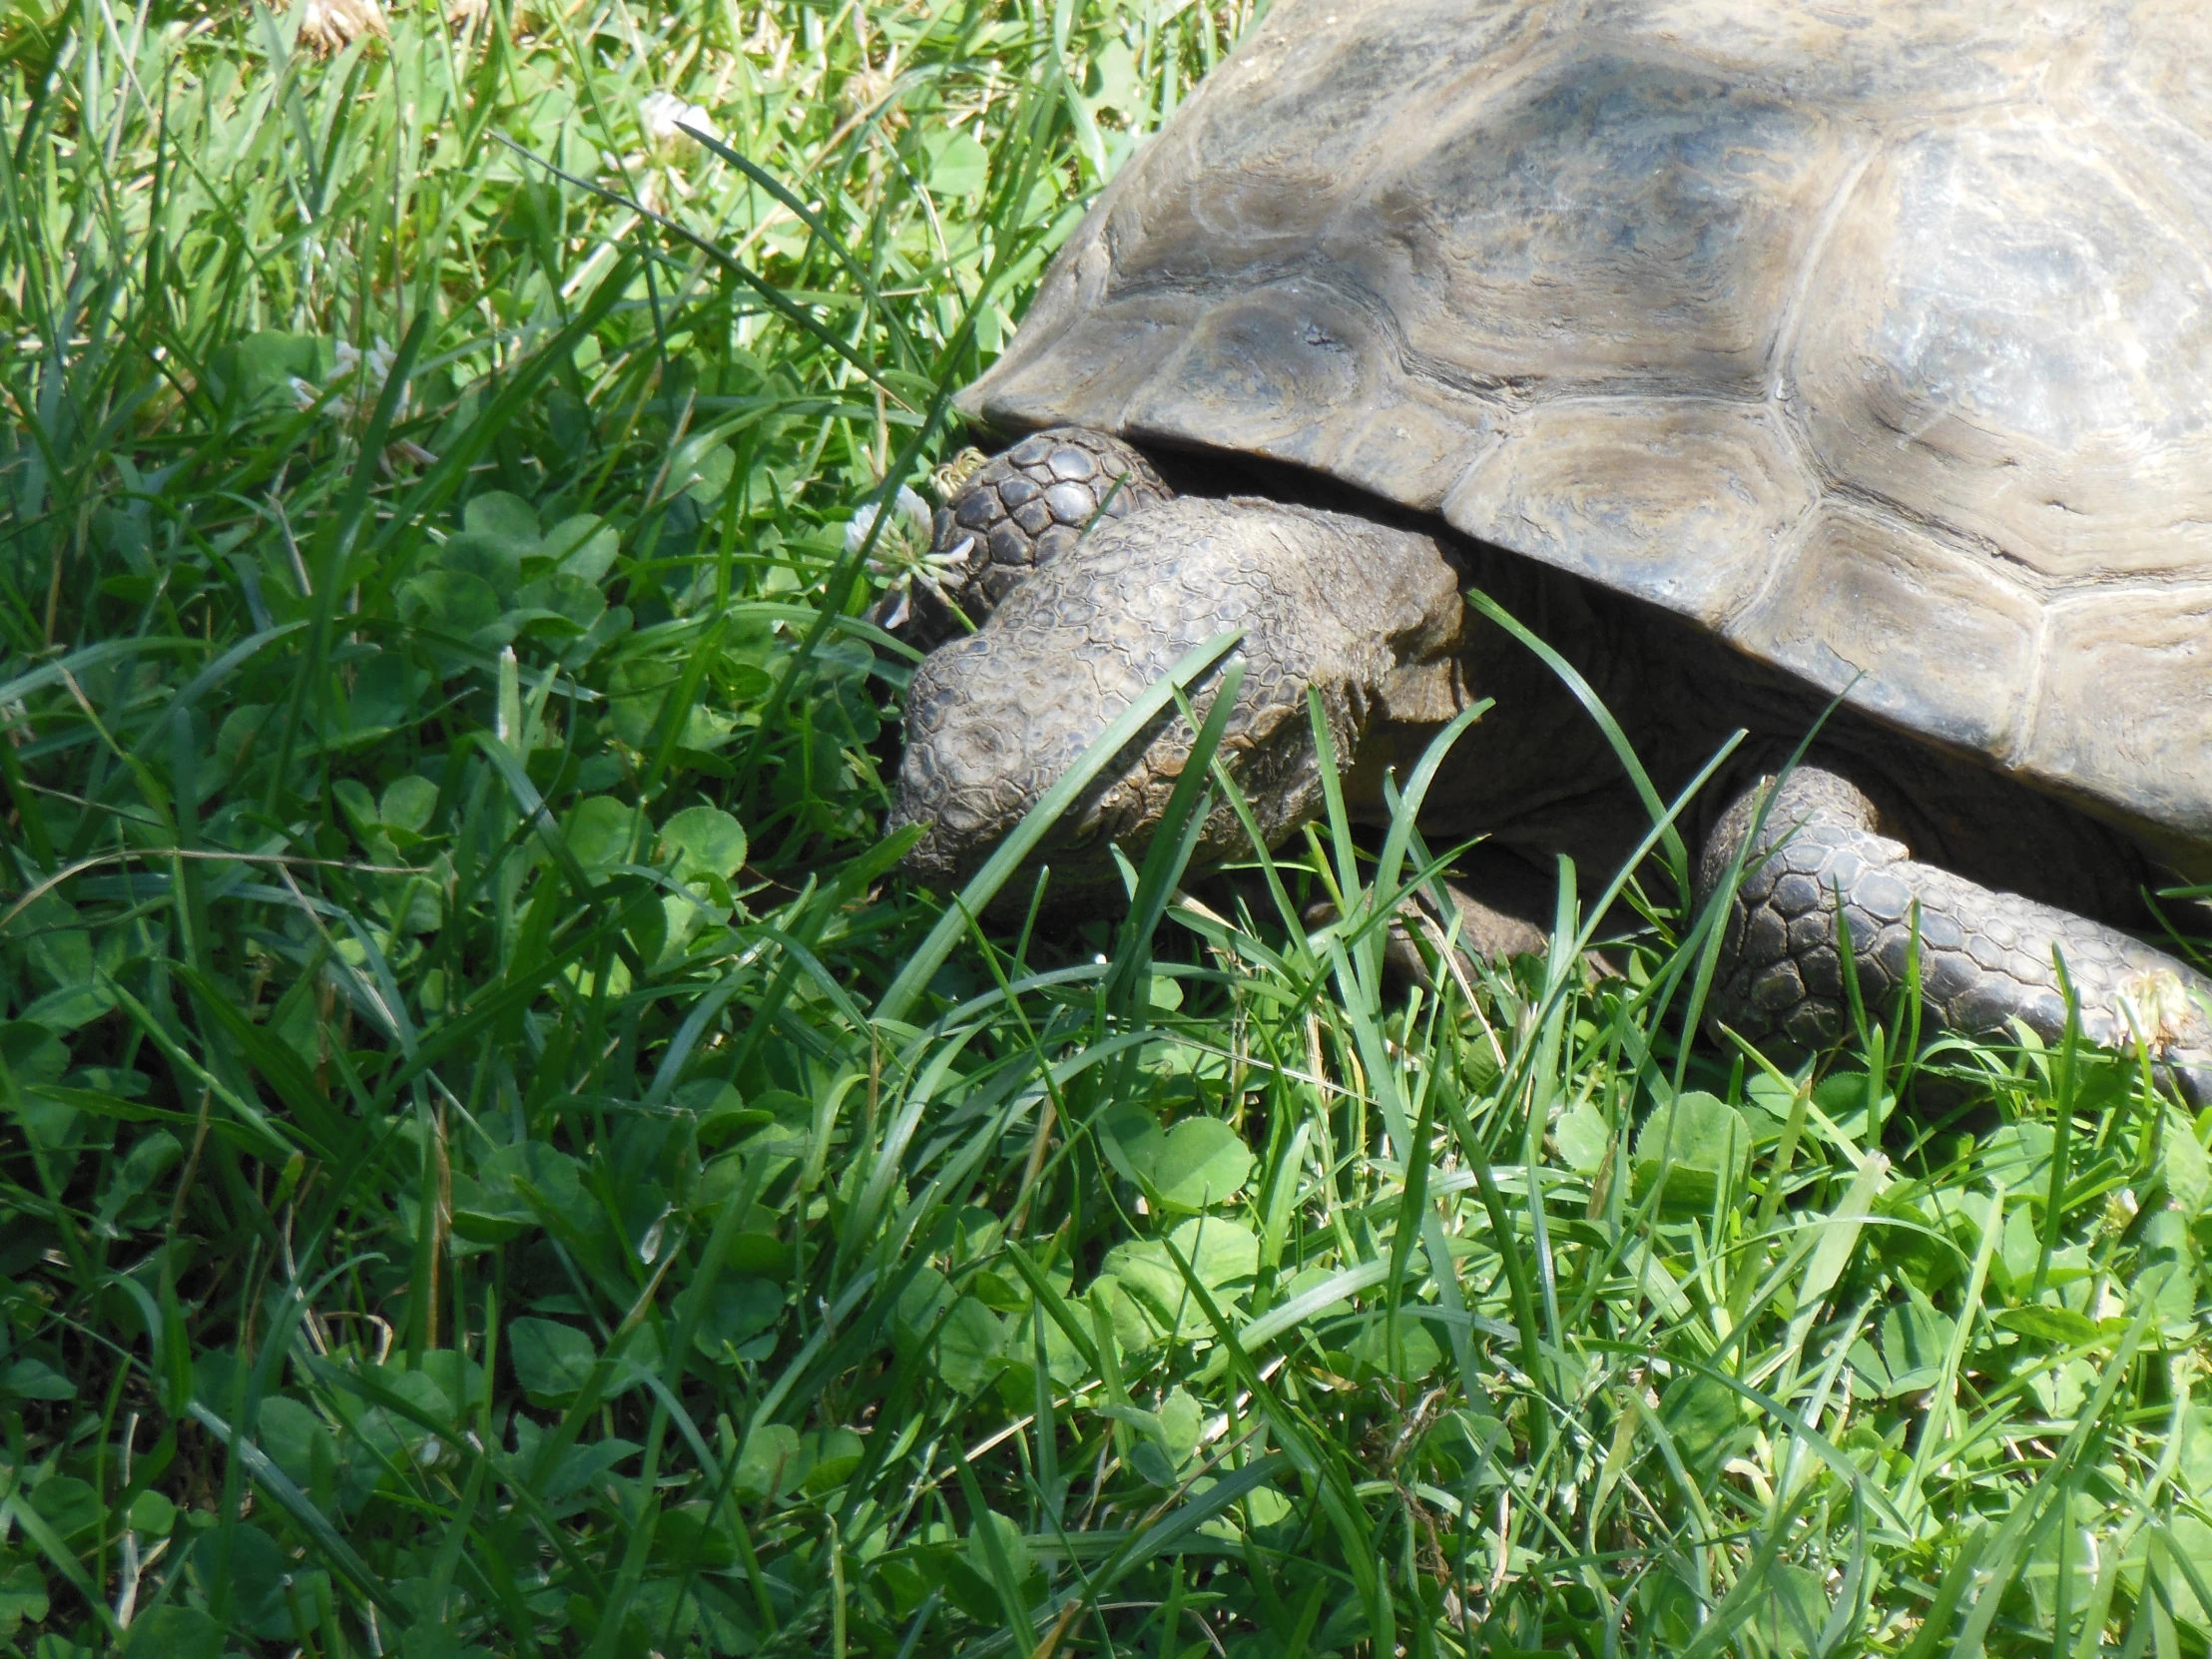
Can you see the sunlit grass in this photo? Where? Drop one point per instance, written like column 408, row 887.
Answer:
column 462, row 1023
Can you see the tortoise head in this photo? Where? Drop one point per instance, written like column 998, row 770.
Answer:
column 1368, row 616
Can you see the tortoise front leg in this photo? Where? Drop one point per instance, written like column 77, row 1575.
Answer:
column 1020, row 510
column 1986, row 957
column 1367, row 617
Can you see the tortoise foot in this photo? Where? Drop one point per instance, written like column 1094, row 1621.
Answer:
column 1019, row 511
column 1986, row 959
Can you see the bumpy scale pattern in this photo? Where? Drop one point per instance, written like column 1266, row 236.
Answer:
column 993, row 720
column 1985, row 957
column 1020, row 511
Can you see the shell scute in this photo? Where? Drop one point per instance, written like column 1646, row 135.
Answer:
column 1674, row 204
column 2001, row 338
column 1923, row 631
column 1682, row 501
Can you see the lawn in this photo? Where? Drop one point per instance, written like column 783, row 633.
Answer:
column 499, row 1160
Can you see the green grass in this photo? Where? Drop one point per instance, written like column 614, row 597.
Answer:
column 485, row 1172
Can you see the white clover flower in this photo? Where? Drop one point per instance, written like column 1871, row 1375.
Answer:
column 662, row 116
column 910, row 505
column 372, row 369
column 355, row 385
column 378, row 357
column 2155, row 1003
column 902, row 555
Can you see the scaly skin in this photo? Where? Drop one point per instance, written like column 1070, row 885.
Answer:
column 1985, row 957
column 1347, row 607
column 1022, row 510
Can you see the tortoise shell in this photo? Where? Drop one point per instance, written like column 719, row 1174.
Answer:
column 1873, row 336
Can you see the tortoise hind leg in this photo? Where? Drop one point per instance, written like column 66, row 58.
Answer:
column 1986, row 957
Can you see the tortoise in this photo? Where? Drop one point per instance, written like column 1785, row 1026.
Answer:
column 1766, row 357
